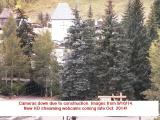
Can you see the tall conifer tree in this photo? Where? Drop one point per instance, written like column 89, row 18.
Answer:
column 89, row 39
column 152, row 27
column 154, row 55
column 74, row 82
column 136, row 33
column 156, row 10
column 115, row 76
column 25, row 32
column 103, row 54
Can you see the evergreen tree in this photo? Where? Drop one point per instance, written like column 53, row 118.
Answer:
column 156, row 11
column 27, row 37
column 114, row 74
column 75, row 84
column 88, row 53
column 15, row 63
column 136, row 33
column 46, row 67
column 90, row 13
column 154, row 55
column 152, row 25
column 103, row 58
column 25, row 32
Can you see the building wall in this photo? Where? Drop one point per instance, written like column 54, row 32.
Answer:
column 59, row 52
column 59, row 32
column 59, row 29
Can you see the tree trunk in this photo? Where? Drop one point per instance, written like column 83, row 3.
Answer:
column 11, row 81
column 46, row 90
column 12, row 77
column 6, row 77
column 18, row 76
column 51, row 93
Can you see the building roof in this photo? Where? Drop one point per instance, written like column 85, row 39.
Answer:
column 6, row 13
column 62, row 12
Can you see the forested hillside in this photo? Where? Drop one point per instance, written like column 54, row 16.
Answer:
column 33, row 7
column 98, row 6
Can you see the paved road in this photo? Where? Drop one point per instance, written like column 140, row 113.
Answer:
column 78, row 118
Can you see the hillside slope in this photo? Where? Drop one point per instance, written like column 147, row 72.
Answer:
column 38, row 6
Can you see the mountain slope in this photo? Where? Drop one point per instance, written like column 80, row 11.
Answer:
column 38, row 6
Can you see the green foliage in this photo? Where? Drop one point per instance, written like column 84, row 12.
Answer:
column 75, row 84
column 5, row 90
column 14, row 64
column 104, row 55
column 25, row 33
column 88, row 54
column 113, row 58
column 152, row 24
column 156, row 11
column 45, row 66
column 18, row 88
column 13, row 58
column 55, row 88
column 135, row 31
column 154, row 55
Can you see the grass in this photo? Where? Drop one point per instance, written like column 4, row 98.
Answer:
column 98, row 7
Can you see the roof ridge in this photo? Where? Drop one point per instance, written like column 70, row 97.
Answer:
column 62, row 12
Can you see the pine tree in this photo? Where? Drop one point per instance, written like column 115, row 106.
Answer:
column 89, row 54
column 103, row 59
column 136, row 33
column 25, row 32
column 45, row 70
column 113, row 72
column 15, row 63
column 152, row 25
column 90, row 13
column 75, row 86
column 156, row 11
column 154, row 55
